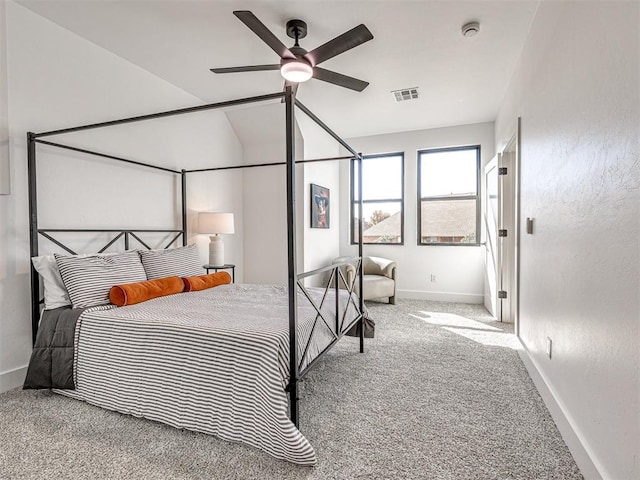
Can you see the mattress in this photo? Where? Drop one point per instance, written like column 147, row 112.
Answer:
column 214, row 361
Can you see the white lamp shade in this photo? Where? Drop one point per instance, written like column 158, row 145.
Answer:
column 211, row 222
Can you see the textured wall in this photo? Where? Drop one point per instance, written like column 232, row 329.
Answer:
column 5, row 187
column 577, row 91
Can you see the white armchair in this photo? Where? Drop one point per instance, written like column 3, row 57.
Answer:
column 378, row 276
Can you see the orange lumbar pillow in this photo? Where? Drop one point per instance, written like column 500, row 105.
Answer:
column 202, row 282
column 132, row 293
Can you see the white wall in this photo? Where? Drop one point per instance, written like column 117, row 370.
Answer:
column 321, row 245
column 261, row 129
column 265, row 215
column 55, row 80
column 577, row 91
column 459, row 270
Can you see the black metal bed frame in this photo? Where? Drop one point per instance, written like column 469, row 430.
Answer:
column 295, row 280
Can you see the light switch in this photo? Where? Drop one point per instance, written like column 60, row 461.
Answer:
column 529, row 226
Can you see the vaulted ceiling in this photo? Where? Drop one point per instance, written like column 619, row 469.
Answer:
column 416, row 44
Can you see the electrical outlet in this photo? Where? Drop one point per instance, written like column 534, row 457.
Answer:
column 548, row 347
column 433, row 278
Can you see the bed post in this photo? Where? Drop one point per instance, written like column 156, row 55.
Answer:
column 33, row 233
column 183, row 186
column 291, row 237
column 360, row 277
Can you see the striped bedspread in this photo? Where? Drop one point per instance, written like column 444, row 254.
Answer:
column 213, row 361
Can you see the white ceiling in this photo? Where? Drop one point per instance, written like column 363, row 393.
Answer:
column 416, row 43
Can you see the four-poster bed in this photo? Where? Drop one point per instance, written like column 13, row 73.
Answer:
column 317, row 319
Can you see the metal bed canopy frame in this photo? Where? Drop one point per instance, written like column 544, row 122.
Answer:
column 295, row 280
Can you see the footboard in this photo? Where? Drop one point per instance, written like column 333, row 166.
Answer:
column 335, row 318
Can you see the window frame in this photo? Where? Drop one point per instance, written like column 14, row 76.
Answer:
column 353, row 204
column 441, row 198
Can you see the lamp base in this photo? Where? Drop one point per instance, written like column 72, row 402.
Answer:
column 216, row 251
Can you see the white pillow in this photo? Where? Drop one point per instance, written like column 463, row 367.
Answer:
column 172, row 262
column 55, row 295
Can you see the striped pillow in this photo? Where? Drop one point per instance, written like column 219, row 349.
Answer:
column 89, row 279
column 173, row 262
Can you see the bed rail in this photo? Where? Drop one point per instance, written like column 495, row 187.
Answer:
column 126, row 233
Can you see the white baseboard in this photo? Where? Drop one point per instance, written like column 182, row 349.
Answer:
column 441, row 296
column 570, row 434
column 12, row 379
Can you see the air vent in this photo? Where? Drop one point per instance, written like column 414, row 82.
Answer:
column 405, row 94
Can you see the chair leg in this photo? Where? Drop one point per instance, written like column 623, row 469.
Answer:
column 392, row 300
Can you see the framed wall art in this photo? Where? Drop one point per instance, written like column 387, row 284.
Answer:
column 320, row 203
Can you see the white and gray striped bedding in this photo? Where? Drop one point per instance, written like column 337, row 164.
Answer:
column 213, row 361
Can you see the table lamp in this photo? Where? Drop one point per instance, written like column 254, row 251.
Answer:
column 215, row 224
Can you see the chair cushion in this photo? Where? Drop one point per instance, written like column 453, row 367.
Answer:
column 370, row 267
column 377, row 286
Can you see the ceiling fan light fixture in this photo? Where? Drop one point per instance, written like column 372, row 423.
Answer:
column 296, row 71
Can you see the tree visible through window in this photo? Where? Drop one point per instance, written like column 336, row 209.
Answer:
column 448, row 210
column 382, row 199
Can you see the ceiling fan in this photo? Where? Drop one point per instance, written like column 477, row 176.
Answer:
column 296, row 64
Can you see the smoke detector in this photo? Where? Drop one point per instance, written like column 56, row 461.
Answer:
column 470, row 29
column 405, row 94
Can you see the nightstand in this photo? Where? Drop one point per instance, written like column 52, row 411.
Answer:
column 226, row 266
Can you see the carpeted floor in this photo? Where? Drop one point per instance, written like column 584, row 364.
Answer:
column 439, row 394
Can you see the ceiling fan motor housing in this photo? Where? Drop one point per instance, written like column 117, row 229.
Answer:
column 297, row 28
column 299, row 53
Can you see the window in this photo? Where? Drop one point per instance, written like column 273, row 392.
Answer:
column 448, row 203
column 382, row 199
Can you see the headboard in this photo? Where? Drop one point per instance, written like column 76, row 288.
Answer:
column 128, row 236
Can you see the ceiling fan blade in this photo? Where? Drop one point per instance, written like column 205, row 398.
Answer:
column 348, row 40
column 251, row 68
column 339, row 79
column 259, row 28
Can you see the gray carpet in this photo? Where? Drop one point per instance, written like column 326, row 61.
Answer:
column 439, row 394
